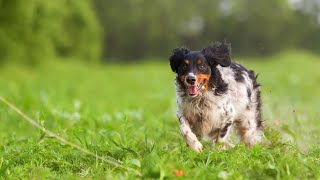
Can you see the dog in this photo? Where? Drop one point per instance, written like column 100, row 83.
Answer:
column 214, row 94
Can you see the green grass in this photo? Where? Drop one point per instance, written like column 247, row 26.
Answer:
column 128, row 113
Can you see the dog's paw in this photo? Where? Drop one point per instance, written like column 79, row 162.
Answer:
column 231, row 146
column 225, row 145
column 197, row 146
column 228, row 145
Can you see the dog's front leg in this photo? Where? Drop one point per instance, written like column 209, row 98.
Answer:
column 224, row 135
column 188, row 135
column 227, row 117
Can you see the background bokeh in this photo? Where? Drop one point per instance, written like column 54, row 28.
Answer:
column 131, row 30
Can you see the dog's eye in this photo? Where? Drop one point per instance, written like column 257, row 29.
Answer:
column 202, row 67
column 184, row 67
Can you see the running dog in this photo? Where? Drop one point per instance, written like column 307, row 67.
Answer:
column 214, row 94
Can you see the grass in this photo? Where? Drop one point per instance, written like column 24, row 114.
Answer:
column 128, row 113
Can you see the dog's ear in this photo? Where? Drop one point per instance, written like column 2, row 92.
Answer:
column 218, row 53
column 177, row 57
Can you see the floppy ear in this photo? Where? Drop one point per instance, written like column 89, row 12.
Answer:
column 218, row 53
column 177, row 57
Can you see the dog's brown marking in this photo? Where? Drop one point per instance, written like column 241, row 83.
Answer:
column 203, row 78
column 214, row 133
column 242, row 131
column 199, row 61
column 187, row 61
column 182, row 78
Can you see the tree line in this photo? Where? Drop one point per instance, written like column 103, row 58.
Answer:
column 95, row 30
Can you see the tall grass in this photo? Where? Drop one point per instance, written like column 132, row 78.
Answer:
column 128, row 112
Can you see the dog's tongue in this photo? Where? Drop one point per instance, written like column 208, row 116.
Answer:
column 192, row 90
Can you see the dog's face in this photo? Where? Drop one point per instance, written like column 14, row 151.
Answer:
column 194, row 72
column 193, row 68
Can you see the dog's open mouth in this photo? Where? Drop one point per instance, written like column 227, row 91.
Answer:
column 193, row 90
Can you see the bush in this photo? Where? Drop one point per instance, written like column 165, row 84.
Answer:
column 36, row 30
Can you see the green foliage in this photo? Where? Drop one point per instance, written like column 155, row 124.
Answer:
column 37, row 30
column 135, row 29
column 128, row 112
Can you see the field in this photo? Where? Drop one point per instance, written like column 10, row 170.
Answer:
column 128, row 112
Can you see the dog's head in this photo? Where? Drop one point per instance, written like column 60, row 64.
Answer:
column 193, row 68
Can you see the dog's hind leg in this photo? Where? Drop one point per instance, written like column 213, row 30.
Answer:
column 248, row 128
column 249, row 123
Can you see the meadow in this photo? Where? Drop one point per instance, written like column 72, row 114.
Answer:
column 127, row 112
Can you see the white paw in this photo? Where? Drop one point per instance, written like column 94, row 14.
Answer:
column 197, row 146
column 228, row 144
column 225, row 145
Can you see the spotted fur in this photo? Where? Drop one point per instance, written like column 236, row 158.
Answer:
column 210, row 107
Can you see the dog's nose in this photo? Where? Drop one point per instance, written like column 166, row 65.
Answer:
column 191, row 79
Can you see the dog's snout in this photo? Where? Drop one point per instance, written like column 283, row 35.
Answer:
column 191, row 79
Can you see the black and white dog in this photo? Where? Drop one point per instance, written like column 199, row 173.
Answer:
column 214, row 94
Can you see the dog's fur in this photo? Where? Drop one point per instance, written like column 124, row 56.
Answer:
column 214, row 94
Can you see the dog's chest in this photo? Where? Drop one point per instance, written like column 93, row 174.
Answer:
column 202, row 113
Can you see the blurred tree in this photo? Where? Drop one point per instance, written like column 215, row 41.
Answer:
column 132, row 29
column 307, row 23
column 35, row 30
column 140, row 28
